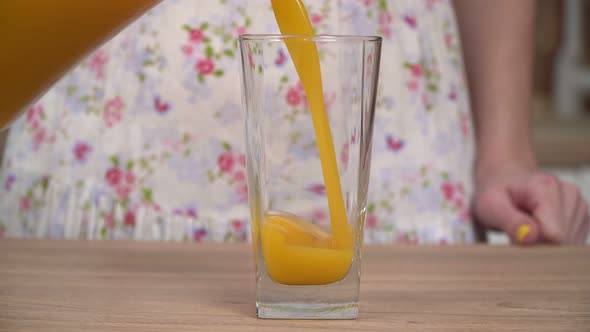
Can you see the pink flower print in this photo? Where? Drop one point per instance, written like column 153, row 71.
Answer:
column 130, row 178
column 81, row 151
column 465, row 215
column 386, row 31
column 407, row 239
column 239, row 176
column 300, row 87
column 35, row 114
column 329, row 100
column 281, row 58
column 460, row 189
column 242, row 191
column 353, row 137
column 113, row 176
column 129, row 219
column 448, row 40
column 24, row 203
column 294, row 97
column 458, row 203
column 109, row 221
column 9, row 181
column 410, row 21
column 38, row 138
column 240, row 30
column 429, row 4
column 154, row 206
column 464, row 118
column 187, row 49
column 161, row 106
column 301, row 93
column 443, row 242
column 97, row 62
column 344, row 155
column 199, row 234
column 316, row 19
column 236, row 225
column 384, row 18
column 250, row 60
column 416, row 70
column 111, row 118
column 205, row 66
column 318, row 189
column 112, row 111
column 448, row 190
column 196, row 36
column 367, row 3
column 115, row 104
column 123, row 191
column 413, row 85
column 394, row 144
column 318, row 215
column 425, row 99
column 122, row 181
column 226, row 162
column 453, row 94
column 191, row 212
column 371, row 222
column 242, row 159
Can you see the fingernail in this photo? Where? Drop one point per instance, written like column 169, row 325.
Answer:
column 522, row 232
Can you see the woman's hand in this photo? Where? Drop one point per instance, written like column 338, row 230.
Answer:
column 530, row 206
column 511, row 194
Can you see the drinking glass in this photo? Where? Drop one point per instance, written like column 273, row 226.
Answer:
column 301, row 270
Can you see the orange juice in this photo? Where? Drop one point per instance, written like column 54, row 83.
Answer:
column 295, row 251
column 41, row 39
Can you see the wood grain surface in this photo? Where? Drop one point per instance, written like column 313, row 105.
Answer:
column 142, row 286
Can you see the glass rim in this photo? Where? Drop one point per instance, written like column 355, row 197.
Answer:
column 314, row 38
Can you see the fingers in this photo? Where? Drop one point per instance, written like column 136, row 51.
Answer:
column 573, row 211
column 495, row 209
column 535, row 208
column 541, row 197
column 557, row 206
column 582, row 231
column 571, row 200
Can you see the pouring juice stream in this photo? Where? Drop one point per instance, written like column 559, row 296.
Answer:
column 295, row 251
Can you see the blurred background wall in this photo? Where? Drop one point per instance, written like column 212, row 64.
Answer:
column 562, row 61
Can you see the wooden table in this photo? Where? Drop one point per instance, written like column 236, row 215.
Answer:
column 107, row 286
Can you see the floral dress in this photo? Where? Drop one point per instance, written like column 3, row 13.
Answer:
column 144, row 139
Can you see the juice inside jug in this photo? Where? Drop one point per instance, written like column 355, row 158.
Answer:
column 43, row 39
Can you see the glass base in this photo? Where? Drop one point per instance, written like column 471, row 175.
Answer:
column 339, row 300
column 307, row 311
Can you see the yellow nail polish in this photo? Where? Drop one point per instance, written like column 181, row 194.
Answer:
column 522, row 232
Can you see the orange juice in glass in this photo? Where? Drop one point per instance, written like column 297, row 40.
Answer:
column 308, row 169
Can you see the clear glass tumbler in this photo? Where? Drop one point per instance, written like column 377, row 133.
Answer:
column 308, row 153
